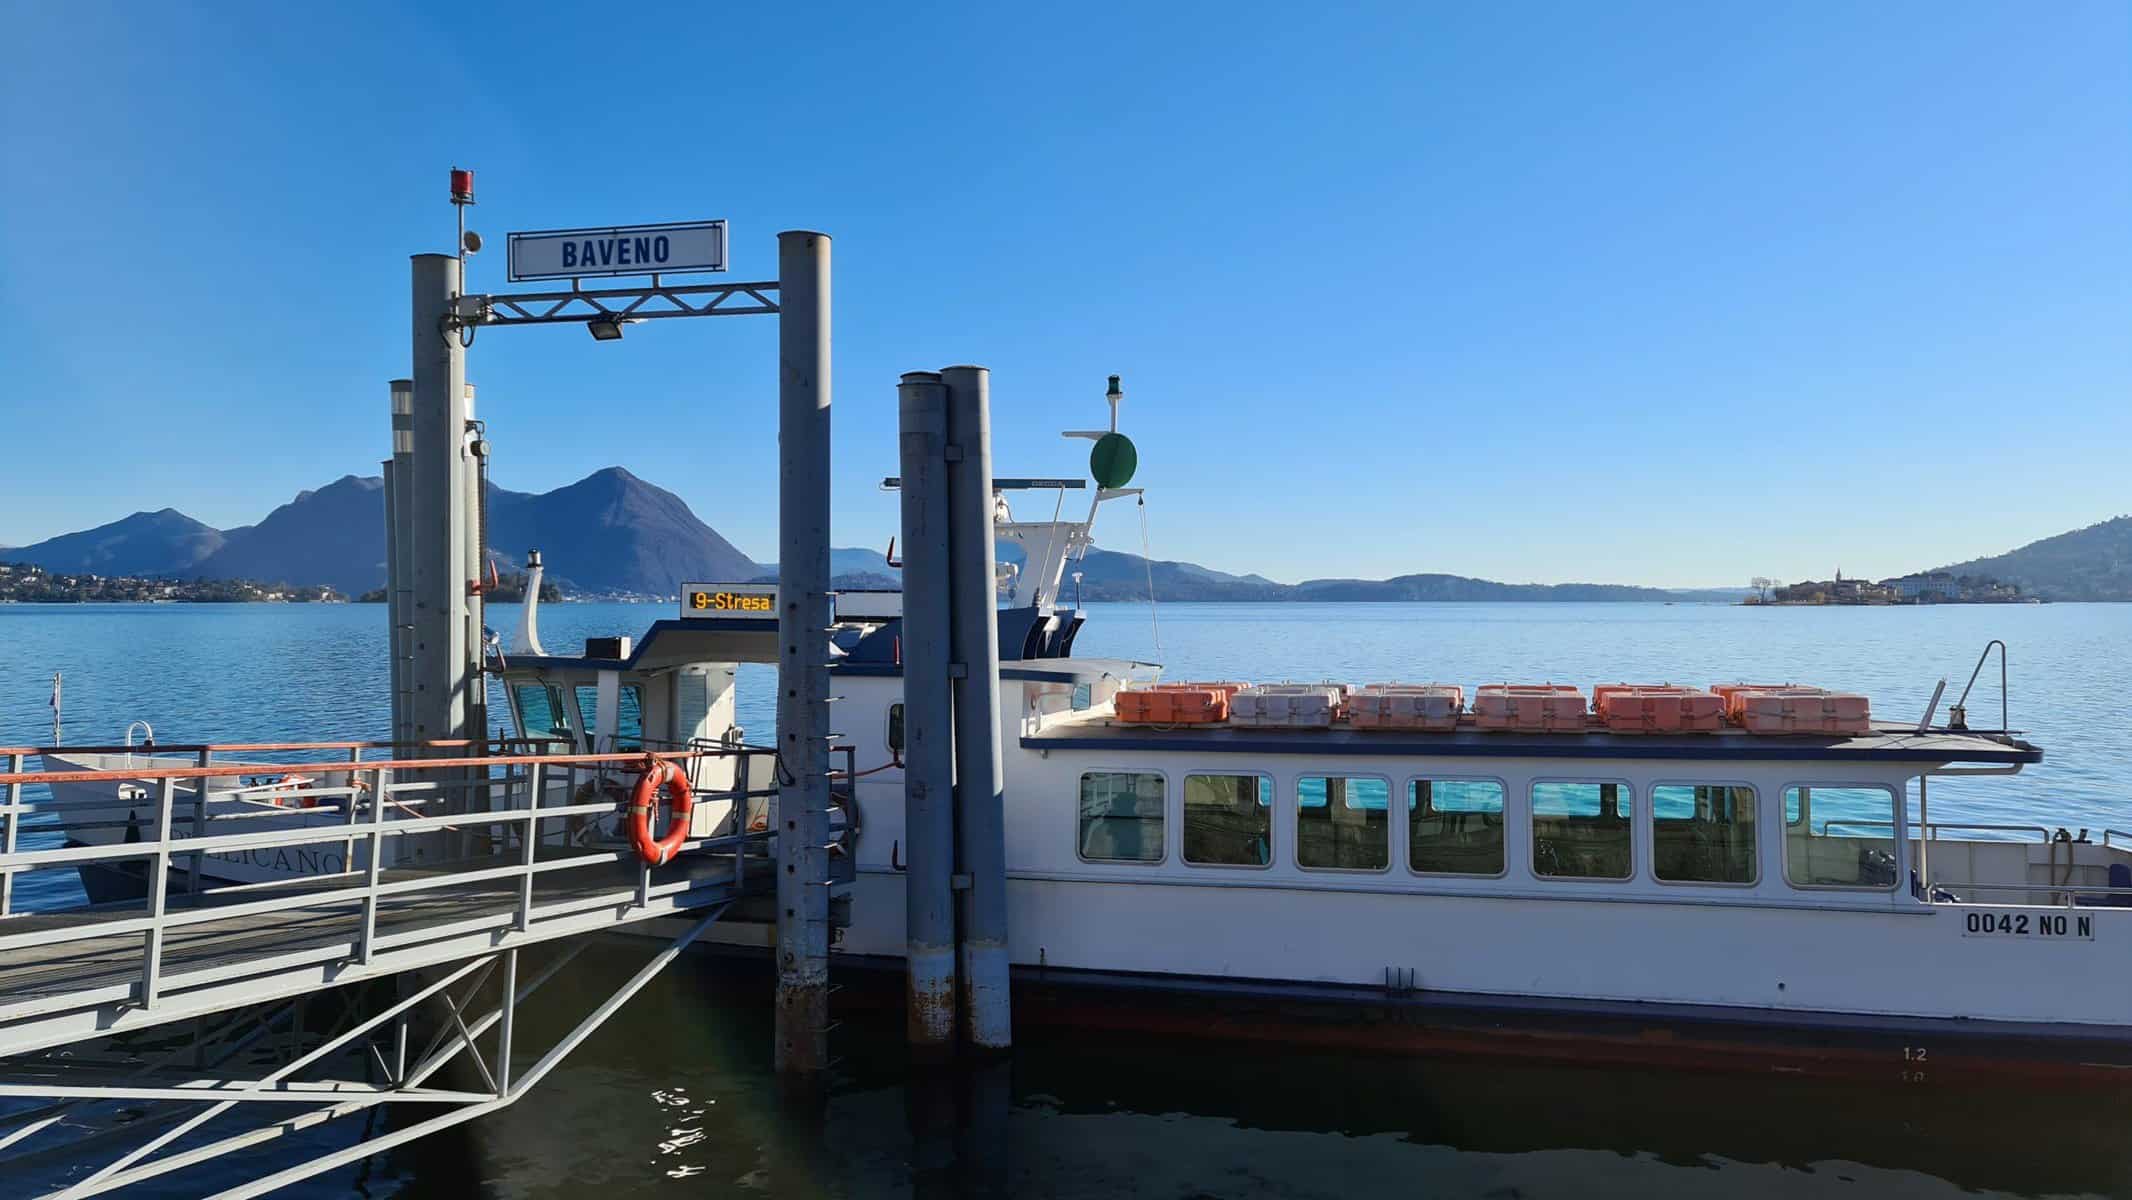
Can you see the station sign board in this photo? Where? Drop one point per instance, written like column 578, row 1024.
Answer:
column 742, row 601
column 618, row 250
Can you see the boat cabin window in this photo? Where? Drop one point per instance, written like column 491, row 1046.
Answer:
column 1228, row 820
column 540, row 711
column 1121, row 816
column 895, row 728
column 1342, row 823
column 1702, row 833
column 1839, row 837
column 1455, row 826
column 629, row 717
column 1581, row 830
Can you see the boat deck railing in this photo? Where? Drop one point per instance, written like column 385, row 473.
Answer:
column 2062, row 894
column 487, row 851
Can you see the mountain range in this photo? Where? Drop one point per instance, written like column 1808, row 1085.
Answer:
column 608, row 532
column 613, row 533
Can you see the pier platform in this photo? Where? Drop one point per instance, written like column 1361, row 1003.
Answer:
column 79, row 973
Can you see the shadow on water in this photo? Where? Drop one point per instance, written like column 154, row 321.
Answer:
column 677, row 1097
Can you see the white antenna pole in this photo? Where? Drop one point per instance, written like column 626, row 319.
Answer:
column 1115, row 396
column 55, row 707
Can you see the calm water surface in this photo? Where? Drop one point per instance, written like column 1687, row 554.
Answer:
column 675, row 1098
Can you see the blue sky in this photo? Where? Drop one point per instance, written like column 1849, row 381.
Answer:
column 1671, row 294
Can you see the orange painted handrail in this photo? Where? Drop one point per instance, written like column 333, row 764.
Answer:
column 245, row 747
column 395, row 764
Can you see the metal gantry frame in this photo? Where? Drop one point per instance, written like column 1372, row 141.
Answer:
column 447, row 319
column 579, row 305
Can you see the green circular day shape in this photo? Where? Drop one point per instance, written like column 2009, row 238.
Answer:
column 1113, row 460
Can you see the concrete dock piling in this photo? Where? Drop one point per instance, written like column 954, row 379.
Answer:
column 980, row 785
column 928, row 719
column 803, row 391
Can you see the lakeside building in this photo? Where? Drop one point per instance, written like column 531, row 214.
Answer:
column 30, row 584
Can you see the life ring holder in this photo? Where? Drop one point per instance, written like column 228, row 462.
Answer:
column 660, row 775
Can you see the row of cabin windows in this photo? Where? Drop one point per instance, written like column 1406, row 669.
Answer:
column 1700, row 833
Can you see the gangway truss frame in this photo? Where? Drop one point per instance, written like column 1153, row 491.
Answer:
column 250, row 955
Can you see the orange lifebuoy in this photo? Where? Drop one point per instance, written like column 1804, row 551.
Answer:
column 297, row 798
column 659, row 776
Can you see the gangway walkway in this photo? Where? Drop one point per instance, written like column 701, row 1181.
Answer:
column 453, row 865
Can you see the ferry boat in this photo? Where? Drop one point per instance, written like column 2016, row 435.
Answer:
column 1521, row 875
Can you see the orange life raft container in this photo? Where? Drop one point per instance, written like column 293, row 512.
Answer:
column 1657, row 708
column 1799, row 710
column 1176, row 703
column 1728, row 692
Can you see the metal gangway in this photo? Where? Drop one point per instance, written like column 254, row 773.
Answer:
column 190, row 997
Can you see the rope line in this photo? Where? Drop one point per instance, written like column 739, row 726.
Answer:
column 1147, row 559
column 1051, row 540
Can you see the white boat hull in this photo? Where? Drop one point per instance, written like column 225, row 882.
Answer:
column 127, row 812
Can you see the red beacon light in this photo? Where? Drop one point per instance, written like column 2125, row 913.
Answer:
column 462, row 186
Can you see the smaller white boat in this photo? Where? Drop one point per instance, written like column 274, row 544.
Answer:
column 104, row 813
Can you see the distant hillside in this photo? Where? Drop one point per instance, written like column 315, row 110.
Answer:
column 1461, row 588
column 850, row 568
column 1111, row 575
column 613, row 532
column 335, row 536
column 2087, row 564
column 147, row 543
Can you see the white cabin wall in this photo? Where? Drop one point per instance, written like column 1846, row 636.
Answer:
column 656, row 706
column 701, row 703
column 862, row 716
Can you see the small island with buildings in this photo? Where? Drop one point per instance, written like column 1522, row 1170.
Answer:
column 1920, row 587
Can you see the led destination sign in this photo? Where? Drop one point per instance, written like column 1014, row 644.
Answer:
column 754, row 601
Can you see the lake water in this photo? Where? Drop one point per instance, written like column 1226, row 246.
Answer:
column 675, row 1096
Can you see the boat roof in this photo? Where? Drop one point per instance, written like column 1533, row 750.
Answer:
column 673, row 643
column 1041, row 670
column 1888, row 742
column 668, row 643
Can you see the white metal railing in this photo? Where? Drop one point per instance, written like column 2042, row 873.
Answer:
column 503, row 804
column 2067, row 894
column 1931, row 829
column 2071, row 894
